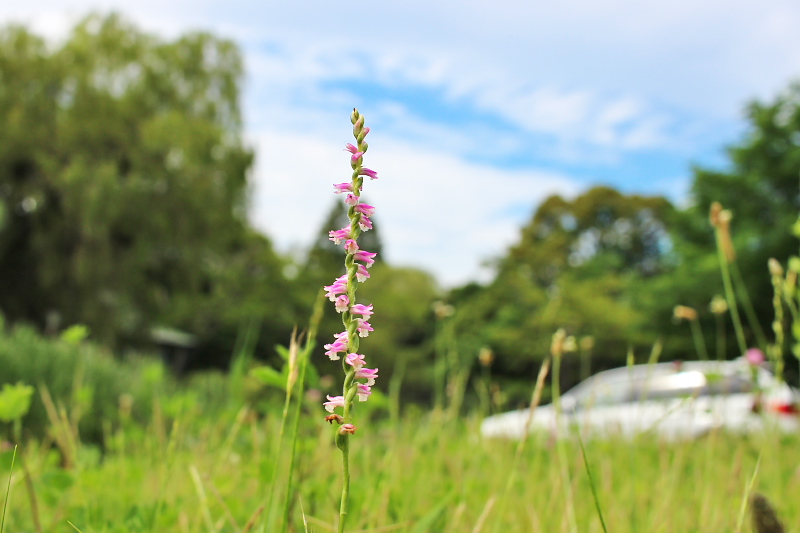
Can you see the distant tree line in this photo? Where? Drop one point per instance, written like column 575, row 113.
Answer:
column 123, row 195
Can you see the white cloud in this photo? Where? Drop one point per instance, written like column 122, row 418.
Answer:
column 435, row 211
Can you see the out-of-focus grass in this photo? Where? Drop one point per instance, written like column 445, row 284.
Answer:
column 422, row 475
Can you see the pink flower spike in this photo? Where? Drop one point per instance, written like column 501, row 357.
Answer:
column 351, row 199
column 350, row 148
column 369, row 172
column 365, row 223
column 367, row 257
column 363, row 310
column 356, row 360
column 339, row 188
column 334, row 402
column 339, row 235
column 365, row 209
column 754, row 356
column 342, row 302
column 363, row 392
column 362, row 274
column 351, row 246
column 367, row 373
column 363, row 328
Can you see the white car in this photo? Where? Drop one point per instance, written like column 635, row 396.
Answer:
column 670, row 400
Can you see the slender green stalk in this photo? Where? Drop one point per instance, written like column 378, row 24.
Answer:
column 591, row 482
column 316, row 317
column 747, row 305
column 8, row 491
column 720, row 344
column 731, row 297
column 747, row 492
column 561, row 446
column 699, row 341
column 535, row 398
column 343, row 442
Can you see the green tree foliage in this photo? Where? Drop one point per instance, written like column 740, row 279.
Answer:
column 123, row 183
column 760, row 188
column 575, row 266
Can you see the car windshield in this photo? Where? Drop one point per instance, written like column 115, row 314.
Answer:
column 628, row 385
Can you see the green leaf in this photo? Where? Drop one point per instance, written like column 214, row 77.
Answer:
column 269, row 376
column 15, row 401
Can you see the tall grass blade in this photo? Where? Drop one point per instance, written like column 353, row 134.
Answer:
column 535, row 399
column 748, row 490
column 591, row 482
column 8, row 491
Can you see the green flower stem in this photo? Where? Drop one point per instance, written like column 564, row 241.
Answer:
column 343, row 442
column 729, row 294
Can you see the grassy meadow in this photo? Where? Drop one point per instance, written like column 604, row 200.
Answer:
column 189, row 464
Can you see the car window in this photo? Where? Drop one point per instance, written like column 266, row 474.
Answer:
column 621, row 388
column 677, row 385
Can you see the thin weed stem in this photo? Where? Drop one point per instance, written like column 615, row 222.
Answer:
column 730, row 296
column 8, row 490
column 747, row 305
column 535, row 398
column 747, row 491
column 561, row 446
column 591, row 482
column 313, row 326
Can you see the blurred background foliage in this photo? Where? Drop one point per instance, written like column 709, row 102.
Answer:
column 123, row 206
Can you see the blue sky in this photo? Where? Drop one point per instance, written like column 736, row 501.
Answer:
column 478, row 111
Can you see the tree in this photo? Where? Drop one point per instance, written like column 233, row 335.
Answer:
column 576, row 267
column 123, row 179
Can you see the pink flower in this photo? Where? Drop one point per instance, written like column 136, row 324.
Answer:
column 351, row 199
column 339, row 235
column 367, row 257
column 356, row 360
column 365, row 209
column 362, row 274
column 363, row 328
column 365, row 223
column 342, row 303
column 336, row 347
column 334, row 402
column 367, row 373
column 363, row 392
column 361, row 309
column 351, row 246
column 338, row 287
column 754, row 356
column 350, row 148
column 369, row 172
column 339, row 188
column 356, row 157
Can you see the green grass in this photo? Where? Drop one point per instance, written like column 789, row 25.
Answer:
column 422, row 475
